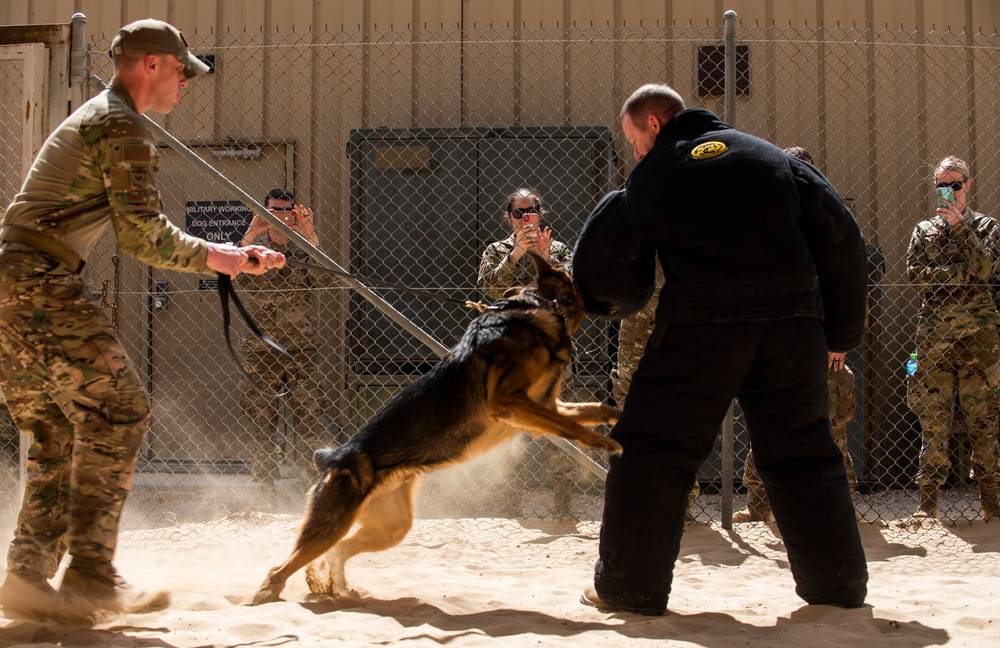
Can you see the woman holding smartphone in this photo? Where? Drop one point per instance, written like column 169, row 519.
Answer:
column 505, row 263
column 954, row 263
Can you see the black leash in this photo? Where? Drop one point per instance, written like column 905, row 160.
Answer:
column 479, row 306
column 226, row 291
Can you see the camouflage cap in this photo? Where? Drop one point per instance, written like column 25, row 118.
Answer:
column 150, row 36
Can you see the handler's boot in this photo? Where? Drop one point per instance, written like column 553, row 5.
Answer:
column 928, row 507
column 28, row 595
column 988, row 497
column 758, row 508
column 99, row 588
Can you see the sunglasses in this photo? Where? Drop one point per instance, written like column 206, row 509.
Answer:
column 518, row 214
column 955, row 186
column 281, row 209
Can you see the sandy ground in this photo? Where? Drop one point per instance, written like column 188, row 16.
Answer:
column 497, row 582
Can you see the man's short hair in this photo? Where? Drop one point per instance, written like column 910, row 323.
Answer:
column 279, row 194
column 652, row 99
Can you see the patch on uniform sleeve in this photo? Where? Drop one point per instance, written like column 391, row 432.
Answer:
column 119, row 178
column 135, row 153
column 707, row 150
column 131, row 166
column 138, row 176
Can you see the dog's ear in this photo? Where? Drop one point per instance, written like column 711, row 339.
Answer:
column 542, row 263
column 323, row 459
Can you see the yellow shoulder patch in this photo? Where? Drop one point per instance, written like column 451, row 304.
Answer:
column 708, row 150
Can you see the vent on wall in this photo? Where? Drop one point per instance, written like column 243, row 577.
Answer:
column 712, row 70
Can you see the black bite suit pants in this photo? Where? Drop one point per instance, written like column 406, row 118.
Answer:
column 679, row 396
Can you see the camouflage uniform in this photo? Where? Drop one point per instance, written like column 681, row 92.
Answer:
column 65, row 374
column 632, row 337
column 283, row 303
column 958, row 352
column 496, row 275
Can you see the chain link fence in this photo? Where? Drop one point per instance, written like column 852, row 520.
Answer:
column 405, row 143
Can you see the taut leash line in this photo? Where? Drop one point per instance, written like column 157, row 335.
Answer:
column 478, row 306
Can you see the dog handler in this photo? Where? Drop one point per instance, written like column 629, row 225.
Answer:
column 764, row 272
column 68, row 381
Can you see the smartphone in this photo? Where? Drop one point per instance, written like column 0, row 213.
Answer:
column 946, row 197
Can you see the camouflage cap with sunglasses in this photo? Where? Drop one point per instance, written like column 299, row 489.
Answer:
column 150, row 36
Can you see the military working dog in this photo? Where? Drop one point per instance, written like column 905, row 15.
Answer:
column 501, row 378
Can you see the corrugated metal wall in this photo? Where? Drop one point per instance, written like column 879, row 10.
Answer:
column 488, row 85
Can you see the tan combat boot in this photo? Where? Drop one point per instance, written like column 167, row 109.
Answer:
column 97, row 588
column 692, row 496
column 758, row 509
column 988, row 497
column 928, row 501
column 28, row 595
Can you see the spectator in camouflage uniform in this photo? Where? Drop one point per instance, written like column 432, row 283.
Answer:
column 635, row 331
column 63, row 369
column 506, row 263
column 954, row 263
column 843, row 405
column 283, row 303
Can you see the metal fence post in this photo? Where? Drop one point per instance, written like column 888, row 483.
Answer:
column 78, row 77
column 729, row 26
column 729, row 23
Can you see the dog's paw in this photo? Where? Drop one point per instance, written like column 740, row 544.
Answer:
column 609, row 444
column 265, row 595
column 318, row 577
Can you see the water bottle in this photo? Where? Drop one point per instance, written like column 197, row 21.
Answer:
column 911, row 365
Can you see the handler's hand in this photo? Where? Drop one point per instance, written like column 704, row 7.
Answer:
column 254, row 259
column 836, row 360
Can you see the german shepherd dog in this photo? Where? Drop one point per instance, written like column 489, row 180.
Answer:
column 502, row 377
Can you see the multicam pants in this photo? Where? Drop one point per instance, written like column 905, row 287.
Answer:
column 965, row 371
column 69, row 385
column 292, row 426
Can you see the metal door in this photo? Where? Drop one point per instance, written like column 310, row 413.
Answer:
column 192, row 381
column 425, row 203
